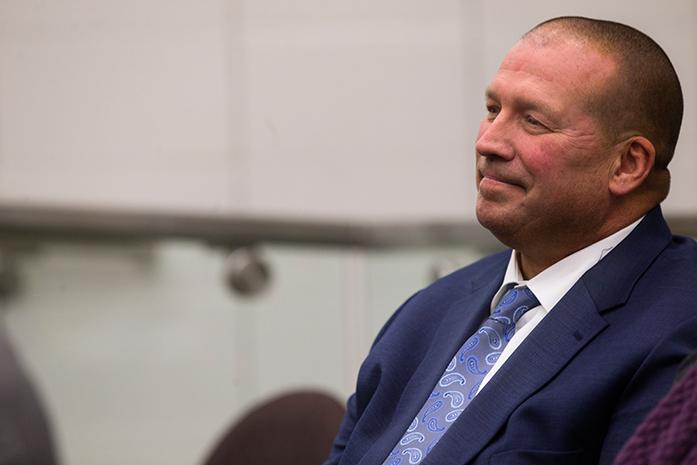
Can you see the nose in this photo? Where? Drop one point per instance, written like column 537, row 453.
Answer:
column 495, row 138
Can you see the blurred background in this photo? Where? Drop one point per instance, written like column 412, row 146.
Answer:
column 205, row 203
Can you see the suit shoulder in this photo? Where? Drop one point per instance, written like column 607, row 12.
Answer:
column 683, row 245
column 678, row 261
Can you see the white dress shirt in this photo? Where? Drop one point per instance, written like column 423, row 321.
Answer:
column 549, row 287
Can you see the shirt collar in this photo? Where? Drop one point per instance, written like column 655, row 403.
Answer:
column 551, row 284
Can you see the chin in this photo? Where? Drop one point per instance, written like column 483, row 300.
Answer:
column 497, row 222
column 489, row 213
column 489, row 220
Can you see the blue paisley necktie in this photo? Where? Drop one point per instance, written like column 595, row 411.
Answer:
column 459, row 383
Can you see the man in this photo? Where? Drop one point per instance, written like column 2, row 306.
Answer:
column 553, row 352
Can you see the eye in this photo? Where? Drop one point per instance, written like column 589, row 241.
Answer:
column 532, row 121
column 492, row 110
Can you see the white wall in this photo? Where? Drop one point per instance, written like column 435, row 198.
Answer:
column 365, row 109
column 119, row 103
column 360, row 109
column 325, row 108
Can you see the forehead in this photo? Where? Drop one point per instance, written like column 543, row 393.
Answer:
column 559, row 71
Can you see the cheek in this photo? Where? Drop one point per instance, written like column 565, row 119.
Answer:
column 557, row 161
column 543, row 159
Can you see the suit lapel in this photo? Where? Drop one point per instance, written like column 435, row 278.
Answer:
column 611, row 282
column 558, row 337
column 462, row 318
column 460, row 321
column 572, row 324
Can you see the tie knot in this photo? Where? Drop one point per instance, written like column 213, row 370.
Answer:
column 514, row 303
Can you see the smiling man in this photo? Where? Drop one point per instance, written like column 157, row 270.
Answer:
column 554, row 351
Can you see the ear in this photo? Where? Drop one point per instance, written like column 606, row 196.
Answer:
column 635, row 160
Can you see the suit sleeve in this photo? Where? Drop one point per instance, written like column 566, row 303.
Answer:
column 353, row 409
column 345, row 431
column 650, row 383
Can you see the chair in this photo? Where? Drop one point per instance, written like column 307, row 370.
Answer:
column 668, row 436
column 297, row 428
column 25, row 434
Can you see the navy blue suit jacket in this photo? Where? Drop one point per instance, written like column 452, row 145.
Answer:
column 571, row 393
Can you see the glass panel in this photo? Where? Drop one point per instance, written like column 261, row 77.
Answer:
column 142, row 354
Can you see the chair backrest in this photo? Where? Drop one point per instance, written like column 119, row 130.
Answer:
column 25, row 435
column 297, row 428
column 668, row 435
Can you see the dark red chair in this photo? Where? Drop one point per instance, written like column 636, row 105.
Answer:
column 294, row 429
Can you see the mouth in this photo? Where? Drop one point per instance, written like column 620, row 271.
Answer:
column 488, row 179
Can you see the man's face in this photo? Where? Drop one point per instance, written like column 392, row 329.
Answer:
column 543, row 164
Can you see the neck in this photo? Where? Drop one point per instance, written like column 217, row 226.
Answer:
column 532, row 260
